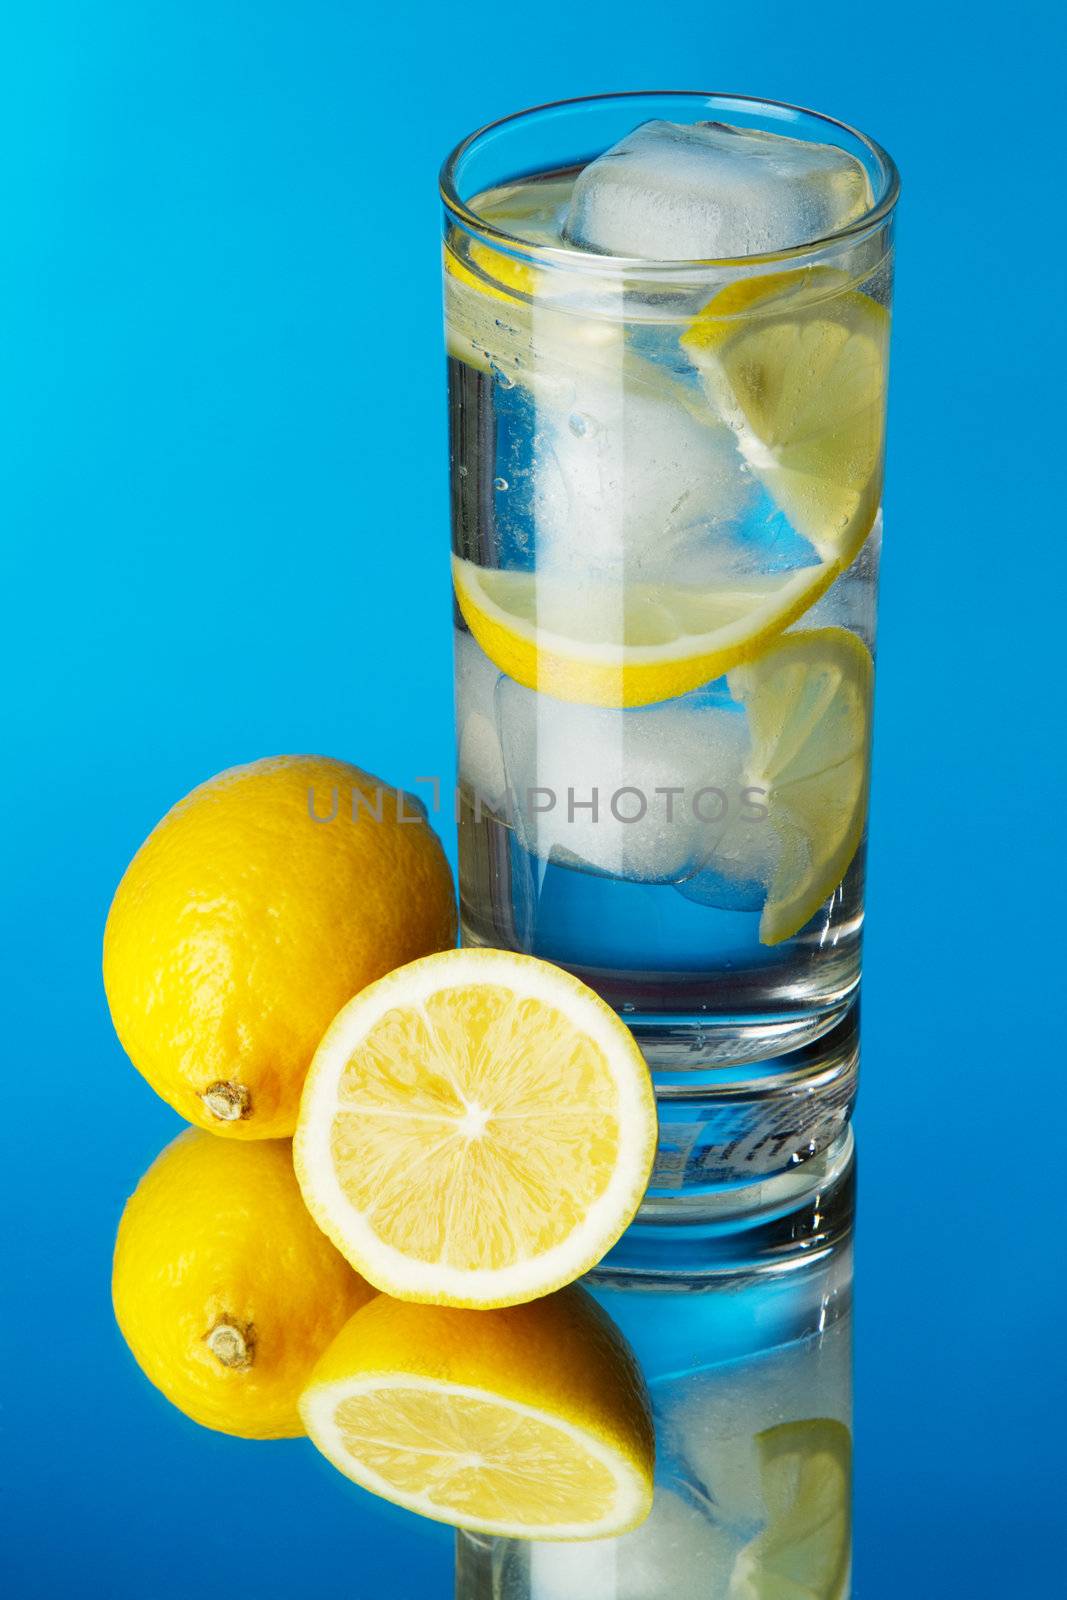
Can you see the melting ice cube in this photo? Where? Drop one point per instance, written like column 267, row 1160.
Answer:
column 481, row 762
column 676, row 1554
column 664, row 780
column 677, row 192
column 627, row 469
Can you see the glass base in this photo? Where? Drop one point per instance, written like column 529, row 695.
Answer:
column 724, row 1127
column 684, row 1045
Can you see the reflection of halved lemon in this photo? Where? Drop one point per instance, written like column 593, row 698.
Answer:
column 477, row 1129
column 808, row 703
column 627, row 644
column 531, row 1422
column 804, row 1551
column 796, row 361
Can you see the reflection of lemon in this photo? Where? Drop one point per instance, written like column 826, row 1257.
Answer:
column 808, row 704
column 796, row 361
column 224, row 1289
column 530, row 1422
column 243, row 924
column 626, row 644
column 804, row 1551
column 476, row 1129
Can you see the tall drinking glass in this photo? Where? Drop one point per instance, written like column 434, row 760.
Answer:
column 667, row 377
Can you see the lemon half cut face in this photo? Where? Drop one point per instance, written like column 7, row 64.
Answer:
column 477, row 1129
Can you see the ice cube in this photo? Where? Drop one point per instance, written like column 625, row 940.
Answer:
column 629, row 466
column 481, row 761
column 676, row 1554
column 656, row 774
column 721, row 892
column 676, row 192
column 738, row 869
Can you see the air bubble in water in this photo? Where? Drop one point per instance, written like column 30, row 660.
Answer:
column 580, row 424
column 500, row 483
column 502, row 378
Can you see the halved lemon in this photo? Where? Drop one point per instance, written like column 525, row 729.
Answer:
column 606, row 643
column 808, row 703
column 531, row 1422
column 804, row 1552
column 796, row 363
column 477, row 1129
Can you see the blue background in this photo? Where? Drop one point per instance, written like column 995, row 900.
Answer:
column 223, row 501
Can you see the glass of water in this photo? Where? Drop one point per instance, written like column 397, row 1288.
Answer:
column 667, row 322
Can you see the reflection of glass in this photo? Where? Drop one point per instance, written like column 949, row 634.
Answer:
column 723, row 1125
column 749, row 1370
column 666, row 476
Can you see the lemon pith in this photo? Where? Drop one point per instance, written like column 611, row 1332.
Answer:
column 476, row 1129
column 224, row 1289
column 808, row 704
column 804, row 1551
column 529, row 1422
column 251, row 913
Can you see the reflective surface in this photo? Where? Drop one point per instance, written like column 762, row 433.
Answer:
column 203, row 562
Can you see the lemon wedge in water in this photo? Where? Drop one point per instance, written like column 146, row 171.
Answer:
column 796, row 363
column 804, row 1552
column 808, row 703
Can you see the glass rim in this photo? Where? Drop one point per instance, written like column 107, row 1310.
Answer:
column 643, row 266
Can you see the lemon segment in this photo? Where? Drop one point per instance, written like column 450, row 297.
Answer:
column 804, row 1552
column 530, row 1422
column 808, row 703
column 477, row 1129
column 627, row 644
column 796, row 363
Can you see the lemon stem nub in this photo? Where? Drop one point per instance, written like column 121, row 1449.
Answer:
column 227, row 1101
column 232, row 1345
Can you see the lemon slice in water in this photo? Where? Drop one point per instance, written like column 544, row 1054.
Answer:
column 608, row 643
column 808, row 703
column 796, row 363
column 804, row 1551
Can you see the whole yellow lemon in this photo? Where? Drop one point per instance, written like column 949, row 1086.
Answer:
column 224, row 1289
column 260, row 904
